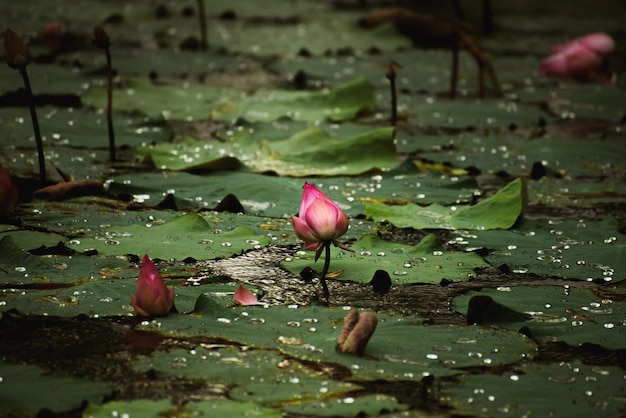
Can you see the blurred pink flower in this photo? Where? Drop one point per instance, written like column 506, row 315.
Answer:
column 244, row 297
column 580, row 59
column 152, row 297
column 319, row 219
column 8, row 192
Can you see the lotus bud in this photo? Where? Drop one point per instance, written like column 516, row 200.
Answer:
column 152, row 297
column 101, row 38
column 319, row 219
column 16, row 52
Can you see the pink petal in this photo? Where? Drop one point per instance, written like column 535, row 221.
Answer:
column 303, row 231
column 326, row 220
column 244, row 297
column 598, row 42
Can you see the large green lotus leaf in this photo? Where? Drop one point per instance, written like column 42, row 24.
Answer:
column 139, row 407
column 576, row 249
column 261, row 376
column 213, row 407
column 84, row 128
column 20, row 267
column 306, row 153
column 231, row 408
column 342, row 103
column 88, row 216
column 514, row 154
column 395, row 352
column 572, row 315
column 425, row 262
column 45, row 79
column 369, row 405
column 499, row 211
column 280, row 196
column 566, row 389
column 570, row 99
column 28, row 389
column 314, row 152
column 200, row 100
column 184, row 102
column 188, row 235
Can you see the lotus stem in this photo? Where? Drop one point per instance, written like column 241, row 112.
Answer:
column 35, row 121
column 391, row 76
column 202, row 16
column 326, row 293
column 109, row 110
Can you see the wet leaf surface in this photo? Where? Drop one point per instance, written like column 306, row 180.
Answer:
column 513, row 202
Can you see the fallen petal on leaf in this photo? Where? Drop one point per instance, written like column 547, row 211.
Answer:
column 244, row 297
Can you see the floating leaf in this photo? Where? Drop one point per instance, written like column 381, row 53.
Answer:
column 306, row 153
column 201, row 100
column 29, row 389
column 575, row 316
column 499, row 211
column 188, row 235
column 425, row 262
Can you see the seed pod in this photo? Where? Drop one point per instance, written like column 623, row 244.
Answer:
column 360, row 335
column 348, row 324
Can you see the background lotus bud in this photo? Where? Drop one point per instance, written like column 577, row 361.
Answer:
column 581, row 58
column 8, row 192
column 101, row 38
column 356, row 332
column 152, row 297
column 16, row 52
column 319, row 219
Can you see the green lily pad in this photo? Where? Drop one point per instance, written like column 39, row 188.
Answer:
column 74, row 128
column 425, row 262
column 19, row 267
column 575, row 316
column 201, row 101
column 54, row 392
column 403, row 184
column 188, row 235
column 576, row 249
column 395, row 352
column 342, row 103
column 306, row 153
column 499, row 211
column 558, row 389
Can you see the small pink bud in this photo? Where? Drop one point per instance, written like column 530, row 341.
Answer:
column 8, row 192
column 244, row 297
column 16, row 52
column 319, row 219
column 101, row 39
column 152, row 297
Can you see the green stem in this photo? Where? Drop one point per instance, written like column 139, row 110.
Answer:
column 325, row 270
column 35, row 121
column 109, row 109
column 202, row 16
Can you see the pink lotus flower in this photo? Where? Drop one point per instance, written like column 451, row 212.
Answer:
column 580, row 59
column 245, row 297
column 152, row 297
column 320, row 220
column 8, row 192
